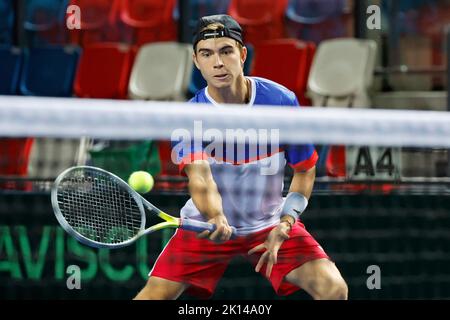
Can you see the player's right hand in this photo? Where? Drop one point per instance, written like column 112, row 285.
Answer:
column 222, row 233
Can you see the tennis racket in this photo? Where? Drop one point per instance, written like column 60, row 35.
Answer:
column 101, row 210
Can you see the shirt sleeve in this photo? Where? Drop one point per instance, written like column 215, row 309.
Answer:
column 184, row 149
column 186, row 152
column 300, row 157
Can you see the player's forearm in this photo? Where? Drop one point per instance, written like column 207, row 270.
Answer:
column 303, row 182
column 206, row 197
column 203, row 189
column 299, row 193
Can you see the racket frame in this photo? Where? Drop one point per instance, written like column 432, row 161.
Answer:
column 169, row 221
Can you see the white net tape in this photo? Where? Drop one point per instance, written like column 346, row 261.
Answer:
column 113, row 119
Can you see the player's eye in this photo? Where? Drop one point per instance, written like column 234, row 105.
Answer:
column 205, row 54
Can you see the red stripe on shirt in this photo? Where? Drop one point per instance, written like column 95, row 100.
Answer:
column 188, row 159
column 249, row 160
column 307, row 164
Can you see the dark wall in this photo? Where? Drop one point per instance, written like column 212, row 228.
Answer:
column 406, row 236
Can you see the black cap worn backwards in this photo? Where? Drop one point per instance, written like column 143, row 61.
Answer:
column 231, row 29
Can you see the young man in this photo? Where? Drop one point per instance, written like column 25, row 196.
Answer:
column 236, row 193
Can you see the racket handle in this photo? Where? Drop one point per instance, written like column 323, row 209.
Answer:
column 199, row 226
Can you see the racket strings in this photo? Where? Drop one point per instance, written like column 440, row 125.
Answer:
column 98, row 207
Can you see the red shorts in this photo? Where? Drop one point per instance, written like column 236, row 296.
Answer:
column 201, row 262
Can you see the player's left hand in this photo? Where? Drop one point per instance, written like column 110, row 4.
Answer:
column 271, row 246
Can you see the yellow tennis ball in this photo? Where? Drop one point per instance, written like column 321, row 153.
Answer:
column 141, row 181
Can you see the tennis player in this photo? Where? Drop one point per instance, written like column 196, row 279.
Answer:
column 233, row 191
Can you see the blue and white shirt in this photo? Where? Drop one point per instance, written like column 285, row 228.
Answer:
column 249, row 179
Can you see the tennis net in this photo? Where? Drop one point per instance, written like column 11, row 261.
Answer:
column 380, row 204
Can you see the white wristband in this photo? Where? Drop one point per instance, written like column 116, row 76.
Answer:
column 294, row 205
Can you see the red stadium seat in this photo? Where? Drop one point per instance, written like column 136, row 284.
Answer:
column 14, row 158
column 98, row 22
column 260, row 19
column 335, row 163
column 169, row 170
column 148, row 20
column 104, row 71
column 286, row 61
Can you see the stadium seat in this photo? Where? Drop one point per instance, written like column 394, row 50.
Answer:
column 293, row 64
column 161, row 71
column 148, row 20
column 98, row 22
column 104, row 71
column 198, row 82
column 420, row 30
column 201, row 8
column 352, row 62
column 316, row 20
column 10, row 64
column 14, row 158
column 50, row 156
column 6, row 22
column 49, row 71
column 124, row 157
column 44, row 21
column 260, row 19
column 169, row 170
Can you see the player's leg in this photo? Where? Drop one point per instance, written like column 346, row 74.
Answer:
column 161, row 289
column 301, row 264
column 321, row 279
column 188, row 265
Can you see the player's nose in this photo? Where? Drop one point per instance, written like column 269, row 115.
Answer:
column 218, row 62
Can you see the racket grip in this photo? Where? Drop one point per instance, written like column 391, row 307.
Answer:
column 199, row 226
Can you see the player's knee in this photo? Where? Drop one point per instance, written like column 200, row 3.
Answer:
column 339, row 290
column 150, row 294
column 329, row 288
column 159, row 289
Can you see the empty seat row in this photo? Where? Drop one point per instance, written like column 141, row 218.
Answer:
column 104, row 69
column 100, row 70
column 143, row 21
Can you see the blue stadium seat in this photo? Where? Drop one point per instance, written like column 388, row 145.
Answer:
column 315, row 20
column 200, row 8
column 49, row 71
column 10, row 65
column 249, row 61
column 6, row 22
column 197, row 81
column 44, row 21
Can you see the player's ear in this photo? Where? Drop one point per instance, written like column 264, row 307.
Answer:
column 194, row 58
column 243, row 55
